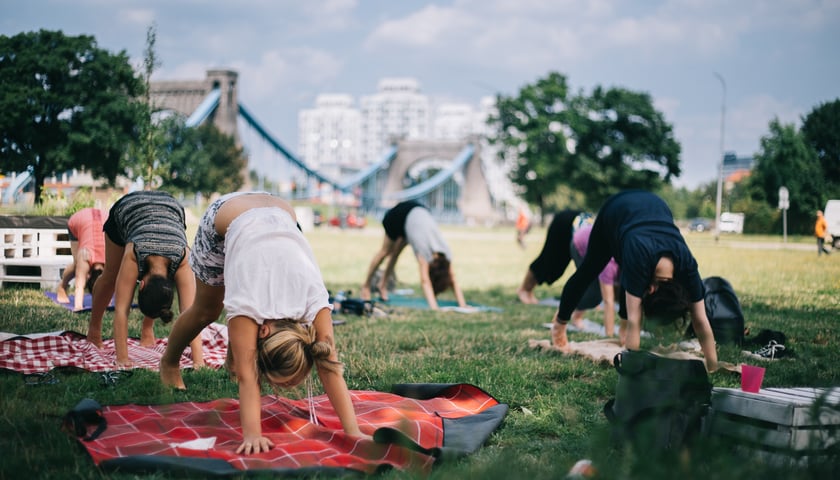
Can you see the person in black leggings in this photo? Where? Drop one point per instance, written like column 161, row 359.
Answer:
column 554, row 258
column 658, row 273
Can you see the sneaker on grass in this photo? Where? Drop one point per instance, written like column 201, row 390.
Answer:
column 772, row 351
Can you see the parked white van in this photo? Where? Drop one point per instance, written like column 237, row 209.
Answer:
column 731, row 222
column 832, row 217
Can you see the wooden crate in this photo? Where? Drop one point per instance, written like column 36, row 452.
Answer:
column 781, row 423
column 34, row 255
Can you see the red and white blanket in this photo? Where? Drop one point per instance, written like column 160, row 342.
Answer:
column 412, row 428
column 42, row 352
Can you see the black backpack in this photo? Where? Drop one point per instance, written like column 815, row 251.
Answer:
column 724, row 312
column 659, row 402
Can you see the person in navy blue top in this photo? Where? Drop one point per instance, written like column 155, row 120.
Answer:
column 658, row 273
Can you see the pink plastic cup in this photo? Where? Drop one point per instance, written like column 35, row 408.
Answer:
column 751, row 378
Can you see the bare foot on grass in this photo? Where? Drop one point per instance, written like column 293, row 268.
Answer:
column 559, row 338
column 526, row 297
column 171, row 376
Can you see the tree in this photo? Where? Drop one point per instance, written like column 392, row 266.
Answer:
column 821, row 129
column 66, row 104
column 621, row 142
column 596, row 145
column 785, row 160
column 201, row 159
column 532, row 128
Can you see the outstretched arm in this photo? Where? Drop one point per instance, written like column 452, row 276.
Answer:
column 459, row 295
column 243, row 345
column 66, row 276
column 124, row 294
column 186, row 284
column 634, row 321
column 82, row 271
column 705, row 335
column 333, row 381
column 426, row 283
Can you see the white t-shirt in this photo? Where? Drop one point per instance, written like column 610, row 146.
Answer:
column 270, row 270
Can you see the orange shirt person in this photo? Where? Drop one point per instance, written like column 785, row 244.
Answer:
column 821, row 232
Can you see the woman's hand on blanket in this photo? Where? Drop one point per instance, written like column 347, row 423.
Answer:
column 254, row 445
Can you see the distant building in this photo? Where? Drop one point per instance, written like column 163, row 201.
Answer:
column 329, row 135
column 453, row 121
column 397, row 110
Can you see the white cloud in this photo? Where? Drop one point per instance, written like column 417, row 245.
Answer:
column 137, row 16
column 279, row 73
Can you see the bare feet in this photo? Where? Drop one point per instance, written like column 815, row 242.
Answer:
column 383, row 291
column 125, row 363
column 559, row 337
column 527, row 297
column 61, row 296
column 147, row 339
column 364, row 292
column 96, row 340
column 171, row 376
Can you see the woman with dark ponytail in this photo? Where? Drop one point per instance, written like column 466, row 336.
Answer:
column 251, row 259
column 145, row 249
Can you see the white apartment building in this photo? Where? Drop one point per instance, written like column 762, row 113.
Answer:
column 454, row 121
column 329, row 135
column 396, row 110
column 335, row 137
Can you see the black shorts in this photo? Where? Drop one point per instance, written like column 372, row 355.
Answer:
column 394, row 219
column 110, row 227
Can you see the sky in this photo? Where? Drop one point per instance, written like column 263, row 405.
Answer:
column 745, row 62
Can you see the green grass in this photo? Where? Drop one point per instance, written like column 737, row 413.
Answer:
column 555, row 402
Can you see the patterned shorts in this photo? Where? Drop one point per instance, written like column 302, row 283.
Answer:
column 207, row 257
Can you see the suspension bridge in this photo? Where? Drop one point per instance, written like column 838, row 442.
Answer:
column 447, row 176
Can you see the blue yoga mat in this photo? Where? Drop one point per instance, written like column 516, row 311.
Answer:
column 421, row 304
column 87, row 303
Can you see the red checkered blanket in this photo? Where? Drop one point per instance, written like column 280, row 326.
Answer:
column 42, row 352
column 412, row 428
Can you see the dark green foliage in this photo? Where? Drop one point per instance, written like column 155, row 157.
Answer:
column 66, row 104
column 821, row 129
column 786, row 160
column 532, row 127
column 597, row 145
column 622, row 142
column 201, row 159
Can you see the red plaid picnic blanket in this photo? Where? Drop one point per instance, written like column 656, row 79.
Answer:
column 42, row 352
column 412, row 428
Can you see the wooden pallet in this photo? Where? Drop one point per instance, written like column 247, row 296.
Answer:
column 33, row 255
column 792, row 423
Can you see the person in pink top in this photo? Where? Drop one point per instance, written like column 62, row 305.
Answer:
column 607, row 280
column 87, row 245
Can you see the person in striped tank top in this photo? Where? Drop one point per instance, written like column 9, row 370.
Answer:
column 145, row 249
column 87, row 245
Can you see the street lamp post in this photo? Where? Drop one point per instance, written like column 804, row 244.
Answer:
column 720, row 162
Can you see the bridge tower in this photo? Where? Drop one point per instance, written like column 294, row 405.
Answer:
column 184, row 97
